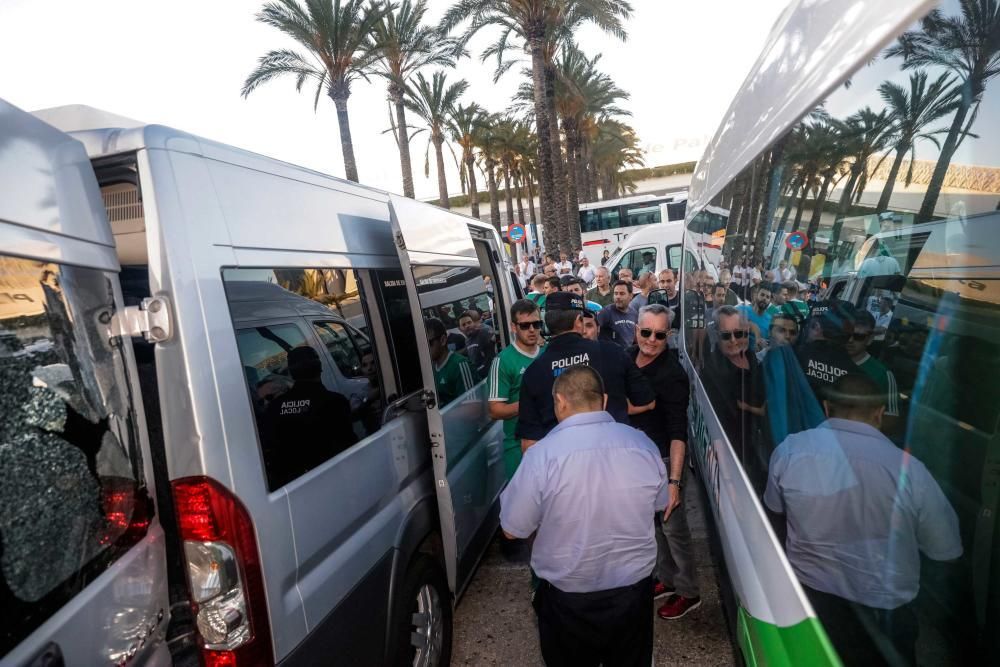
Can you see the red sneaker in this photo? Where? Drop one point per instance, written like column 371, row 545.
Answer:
column 677, row 606
column 661, row 590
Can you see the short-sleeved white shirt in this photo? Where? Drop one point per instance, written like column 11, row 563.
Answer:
column 859, row 511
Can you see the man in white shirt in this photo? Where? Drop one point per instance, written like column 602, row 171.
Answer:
column 589, row 491
column 527, row 267
column 586, row 272
column 859, row 513
column 884, row 318
column 564, row 266
column 784, row 273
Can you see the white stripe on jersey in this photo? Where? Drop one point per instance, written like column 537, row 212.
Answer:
column 495, row 380
column 467, row 376
column 892, row 409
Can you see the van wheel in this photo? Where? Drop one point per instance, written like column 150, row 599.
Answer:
column 422, row 616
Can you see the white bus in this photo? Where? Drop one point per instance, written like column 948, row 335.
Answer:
column 604, row 225
column 852, row 472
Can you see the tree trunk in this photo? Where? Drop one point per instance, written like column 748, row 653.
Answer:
column 890, row 181
column 545, row 182
column 491, row 180
column 438, row 142
column 944, row 160
column 558, row 165
column 508, row 196
column 346, row 145
column 787, row 213
column 572, row 195
column 775, row 170
column 520, row 205
column 817, row 213
column 531, row 201
column 402, row 140
column 470, row 167
column 801, row 207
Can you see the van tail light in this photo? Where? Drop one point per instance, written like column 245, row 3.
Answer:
column 224, row 574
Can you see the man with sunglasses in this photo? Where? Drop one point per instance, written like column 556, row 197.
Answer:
column 733, row 378
column 857, row 348
column 666, row 425
column 568, row 348
column 506, row 372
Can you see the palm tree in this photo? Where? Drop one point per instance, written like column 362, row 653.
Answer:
column 464, row 123
column 615, row 148
column 969, row 46
column 538, row 24
column 582, row 93
column 863, row 134
column 488, row 139
column 912, row 111
column 432, row 101
column 403, row 45
column 333, row 35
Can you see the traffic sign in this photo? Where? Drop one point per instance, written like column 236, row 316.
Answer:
column 796, row 241
column 515, row 233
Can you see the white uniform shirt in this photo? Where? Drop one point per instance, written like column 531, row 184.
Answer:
column 564, row 267
column 859, row 511
column 586, row 273
column 527, row 268
column 591, row 489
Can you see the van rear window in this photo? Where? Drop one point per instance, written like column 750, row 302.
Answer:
column 71, row 501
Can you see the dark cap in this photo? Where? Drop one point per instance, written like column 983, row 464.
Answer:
column 564, row 301
column 567, row 279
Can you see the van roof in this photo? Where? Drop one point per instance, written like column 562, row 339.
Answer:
column 811, row 50
column 49, row 185
column 104, row 134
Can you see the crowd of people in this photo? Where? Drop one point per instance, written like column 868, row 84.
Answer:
column 594, row 403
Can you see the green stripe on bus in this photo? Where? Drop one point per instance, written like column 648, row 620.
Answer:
column 767, row 645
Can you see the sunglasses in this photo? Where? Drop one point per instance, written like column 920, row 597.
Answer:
column 646, row 333
column 534, row 324
column 739, row 334
column 860, row 337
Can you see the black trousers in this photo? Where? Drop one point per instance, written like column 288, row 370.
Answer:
column 865, row 635
column 613, row 628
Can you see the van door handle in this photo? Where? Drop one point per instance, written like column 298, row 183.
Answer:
column 49, row 656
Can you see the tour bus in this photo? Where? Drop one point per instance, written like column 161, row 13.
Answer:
column 843, row 145
column 605, row 225
column 170, row 309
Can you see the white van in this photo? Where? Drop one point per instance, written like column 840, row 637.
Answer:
column 264, row 464
column 654, row 248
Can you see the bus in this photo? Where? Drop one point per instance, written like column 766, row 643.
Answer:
column 855, row 498
column 604, row 225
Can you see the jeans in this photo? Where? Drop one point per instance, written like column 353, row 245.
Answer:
column 675, row 564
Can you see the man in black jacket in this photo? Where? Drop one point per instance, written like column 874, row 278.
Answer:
column 567, row 347
column 666, row 425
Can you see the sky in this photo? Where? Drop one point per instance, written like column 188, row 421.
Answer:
column 182, row 63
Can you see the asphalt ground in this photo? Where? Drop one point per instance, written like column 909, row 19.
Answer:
column 495, row 624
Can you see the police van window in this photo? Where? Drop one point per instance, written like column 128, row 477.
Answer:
column 72, row 497
column 874, row 347
column 674, row 257
column 314, row 392
column 459, row 333
column 394, row 304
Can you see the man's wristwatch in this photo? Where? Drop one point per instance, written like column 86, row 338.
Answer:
column 675, row 482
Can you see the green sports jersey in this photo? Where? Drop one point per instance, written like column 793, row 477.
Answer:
column 505, row 385
column 452, row 378
column 874, row 369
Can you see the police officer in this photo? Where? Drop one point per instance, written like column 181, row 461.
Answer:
column 568, row 347
column 823, row 356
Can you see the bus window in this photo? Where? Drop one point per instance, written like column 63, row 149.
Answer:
column 590, row 221
column 859, row 395
column 641, row 214
column 610, row 218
